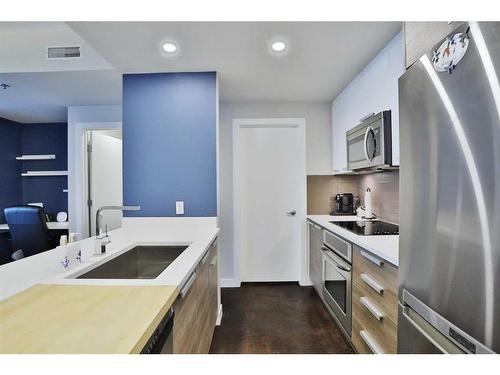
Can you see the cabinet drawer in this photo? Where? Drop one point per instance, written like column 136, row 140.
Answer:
column 185, row 332
column 382, row 271
column 371, row 324
column 359, row 342
column 371, row 286
column 196, row 307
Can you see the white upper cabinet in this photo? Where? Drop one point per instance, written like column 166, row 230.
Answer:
column 373, row 90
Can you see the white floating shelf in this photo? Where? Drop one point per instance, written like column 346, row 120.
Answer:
column 44, row 173
column 36, row 157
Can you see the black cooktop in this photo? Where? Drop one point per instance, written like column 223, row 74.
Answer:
column 369, row 228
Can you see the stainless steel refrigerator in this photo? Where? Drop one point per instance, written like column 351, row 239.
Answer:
column 449, row 275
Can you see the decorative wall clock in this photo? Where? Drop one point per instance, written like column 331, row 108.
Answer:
column 451, row 51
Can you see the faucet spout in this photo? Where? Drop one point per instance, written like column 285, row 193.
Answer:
column 98, row 215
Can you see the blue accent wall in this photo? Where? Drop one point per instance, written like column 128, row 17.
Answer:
column 10, row 168
column 43, row 139
column 169, row 143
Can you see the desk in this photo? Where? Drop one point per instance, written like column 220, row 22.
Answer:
column 56, row 230
column 52, row 225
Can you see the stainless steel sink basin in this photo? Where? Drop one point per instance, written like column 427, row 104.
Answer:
column 140, row 262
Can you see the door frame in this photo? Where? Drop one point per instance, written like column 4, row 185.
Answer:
column 238, row 123
column 79, row 175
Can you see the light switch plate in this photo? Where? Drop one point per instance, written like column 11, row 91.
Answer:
column 179, row 208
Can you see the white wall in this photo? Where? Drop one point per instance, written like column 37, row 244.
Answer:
column 80, row 118
column 373, row 90
column 318, row 153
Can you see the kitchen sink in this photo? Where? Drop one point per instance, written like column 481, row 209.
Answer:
column 140, row 262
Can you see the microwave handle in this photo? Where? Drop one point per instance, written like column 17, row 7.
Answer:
column 365, row 149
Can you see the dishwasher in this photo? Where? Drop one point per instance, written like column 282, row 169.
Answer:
column 161, row 341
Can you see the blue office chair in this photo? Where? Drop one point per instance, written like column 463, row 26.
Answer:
column 28, row 230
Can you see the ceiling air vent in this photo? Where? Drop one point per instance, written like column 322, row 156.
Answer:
column 63, row 52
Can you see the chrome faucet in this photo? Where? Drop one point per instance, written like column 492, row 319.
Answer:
column 98, row 216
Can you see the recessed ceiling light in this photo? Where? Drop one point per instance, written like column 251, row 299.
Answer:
column 278, row 46
column 169, row 47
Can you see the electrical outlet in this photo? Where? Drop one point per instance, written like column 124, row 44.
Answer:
column 179, row 208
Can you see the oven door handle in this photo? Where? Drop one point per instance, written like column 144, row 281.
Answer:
column 326, row 250
column 343, row 268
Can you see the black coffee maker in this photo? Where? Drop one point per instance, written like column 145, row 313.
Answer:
column 344, row 204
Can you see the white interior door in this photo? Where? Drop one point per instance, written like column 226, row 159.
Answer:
column 105, row 185
column 270, row 198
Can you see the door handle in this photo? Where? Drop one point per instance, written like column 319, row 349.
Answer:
column 291, row 213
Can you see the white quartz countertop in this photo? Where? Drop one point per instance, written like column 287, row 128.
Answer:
column 44, row 268
column 385, row 247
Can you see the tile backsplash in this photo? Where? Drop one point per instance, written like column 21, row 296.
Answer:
column 321, row 191
column 385, row 193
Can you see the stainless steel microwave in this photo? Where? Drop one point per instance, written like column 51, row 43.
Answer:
column 369, row 145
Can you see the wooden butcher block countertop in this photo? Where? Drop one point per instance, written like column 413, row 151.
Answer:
column 82, row 318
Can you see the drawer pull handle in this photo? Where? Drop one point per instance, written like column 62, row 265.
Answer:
column 372, row 344
column 187, row 285
column 214, row 261
column 372, row 258
column 371, row 307
column 372, row 283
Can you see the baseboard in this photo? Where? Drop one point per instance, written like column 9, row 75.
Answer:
column 229, row 283
column 306, row 282
column 219, row 316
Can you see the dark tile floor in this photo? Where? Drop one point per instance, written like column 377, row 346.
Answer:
column 276, row 318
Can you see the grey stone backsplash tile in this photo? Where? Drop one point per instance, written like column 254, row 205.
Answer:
column 385, row 193
column 321, row 191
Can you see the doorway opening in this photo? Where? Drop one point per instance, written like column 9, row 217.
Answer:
column 103, row 177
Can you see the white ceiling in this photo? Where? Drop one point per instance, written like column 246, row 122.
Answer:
column 45, row 96
column 322, row 58
column 24, row 48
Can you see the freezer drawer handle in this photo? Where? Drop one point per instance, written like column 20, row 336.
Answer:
column 430, row 333
column 372, row 308
column 372, row 283
column 187, row 286
column 372, row 259
column 372, row 344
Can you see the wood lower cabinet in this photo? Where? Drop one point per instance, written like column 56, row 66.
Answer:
column 196, row 307
column 374, row 303
column 315, row 255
